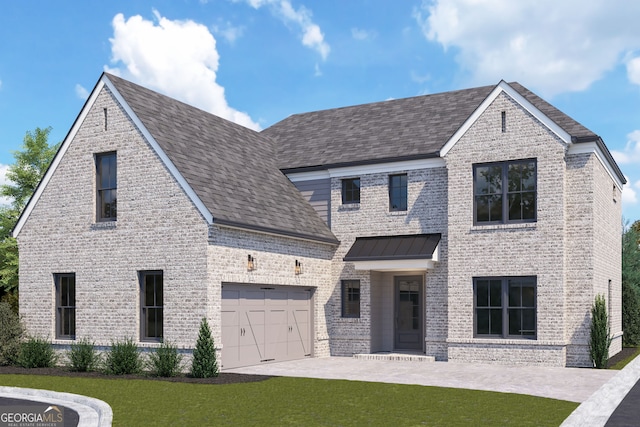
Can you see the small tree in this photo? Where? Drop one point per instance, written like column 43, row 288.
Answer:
column 600, row 333
column 204, row 364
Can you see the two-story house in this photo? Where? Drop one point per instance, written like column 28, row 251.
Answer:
column 474, row 225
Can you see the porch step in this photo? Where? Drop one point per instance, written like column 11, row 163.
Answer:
column 397, row 357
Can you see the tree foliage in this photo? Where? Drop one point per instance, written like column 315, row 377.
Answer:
column 23, row 177
column 600, row 333
column 631, row 285
column 204, row 364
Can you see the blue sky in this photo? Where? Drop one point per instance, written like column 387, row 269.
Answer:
column 258, row 61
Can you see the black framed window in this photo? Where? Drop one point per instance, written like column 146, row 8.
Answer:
column 351, row 298
column 350, row 191
column 106, row 186
column 398, row 192
column 505, row 307
column 151, row 302
column 504, row 192
column 65, row 305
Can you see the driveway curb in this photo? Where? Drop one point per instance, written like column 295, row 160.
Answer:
column 92, row 412
column 596, row 410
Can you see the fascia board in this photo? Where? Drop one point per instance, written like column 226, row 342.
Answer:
column 592, row 147
column 504, row 87
column 394, row 265
column 359, row 170
column 163, row 156
column 57, row 159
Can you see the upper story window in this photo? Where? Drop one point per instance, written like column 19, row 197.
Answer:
column 106, row 186
column 504, row 192
column 398, row 192
column 350, row 191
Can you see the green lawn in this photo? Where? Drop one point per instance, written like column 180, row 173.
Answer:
column 621, row 364
column 301, row 401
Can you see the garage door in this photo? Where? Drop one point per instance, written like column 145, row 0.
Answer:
column 263, row 324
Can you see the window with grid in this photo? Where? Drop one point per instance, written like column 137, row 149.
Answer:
column 504, row 192
column 350, row 191
column 151, row 302
column 398, row 192
column 350, row 298
column 505, row 307
column 106, row 187
column 65, row 305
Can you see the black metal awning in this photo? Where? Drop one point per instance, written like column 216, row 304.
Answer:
column 383, row 248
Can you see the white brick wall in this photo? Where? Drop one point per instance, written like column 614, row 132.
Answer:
column 573, row 248
column 427, row 213
column 157, row 228
column 533, row 249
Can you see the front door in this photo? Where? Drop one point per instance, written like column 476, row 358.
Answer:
column 408, row 313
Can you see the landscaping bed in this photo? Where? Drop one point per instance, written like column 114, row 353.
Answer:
column 222, row 378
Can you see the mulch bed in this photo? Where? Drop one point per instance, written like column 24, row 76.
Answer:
column 626, row 352
column 222, row 378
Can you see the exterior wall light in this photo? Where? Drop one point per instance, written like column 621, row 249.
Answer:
column 251, row 263
column 298, row 268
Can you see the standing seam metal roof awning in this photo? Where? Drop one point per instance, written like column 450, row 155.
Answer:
column 394, row 248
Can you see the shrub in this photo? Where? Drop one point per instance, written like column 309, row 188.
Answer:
column 600, row 333
column 11, row 331
column 12, row 299
column 123, row 358
column 165, row 361
column 204, row 364
column 83, row 356
column 37, row 352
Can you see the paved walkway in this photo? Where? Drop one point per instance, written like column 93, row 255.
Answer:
column 573, row 384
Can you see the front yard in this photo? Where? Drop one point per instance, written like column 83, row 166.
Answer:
column 301, row 401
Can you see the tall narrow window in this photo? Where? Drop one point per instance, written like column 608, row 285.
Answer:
column 350, row 191
column 503, row 116
column 350, row 298
column 65, row 306
column 106, row 186
column 151, row 303
column 398, row 192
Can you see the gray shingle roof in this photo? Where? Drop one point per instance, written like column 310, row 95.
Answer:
column 232, row 169
column 407, row 128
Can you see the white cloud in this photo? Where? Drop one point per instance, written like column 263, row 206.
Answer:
column 312, row 36
column 629, row 195
column 81, row 92
column 360, row 34
column 633, row 70
column 631, row 153
column 177, row 58
column 229, row 32
column 4, row 201
column 554, row 46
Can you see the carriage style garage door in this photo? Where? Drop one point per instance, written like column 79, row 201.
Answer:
column 264, row 324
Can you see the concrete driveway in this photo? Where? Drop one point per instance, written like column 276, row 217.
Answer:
column 572, row 384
